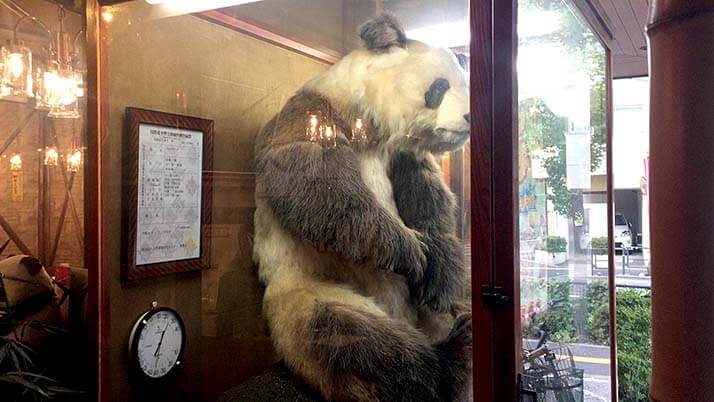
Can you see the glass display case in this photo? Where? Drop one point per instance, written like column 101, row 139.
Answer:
column 375, row 152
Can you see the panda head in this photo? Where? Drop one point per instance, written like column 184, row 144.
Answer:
column 416, row 94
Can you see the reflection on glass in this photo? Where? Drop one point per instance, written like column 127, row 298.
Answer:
column 562, row 204
column 206, row 65
column 43, row 276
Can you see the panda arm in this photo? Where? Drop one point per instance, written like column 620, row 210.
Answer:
column 318, row 195
column 426, row 205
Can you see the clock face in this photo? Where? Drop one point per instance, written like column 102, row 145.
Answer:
column 158, row 340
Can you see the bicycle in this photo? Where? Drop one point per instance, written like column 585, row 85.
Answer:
column 550, row 373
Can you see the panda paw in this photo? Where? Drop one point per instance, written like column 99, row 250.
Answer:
column 411, row 259
column 437, row 301
column 404, row 254
column 444, row 277
column 456, row 357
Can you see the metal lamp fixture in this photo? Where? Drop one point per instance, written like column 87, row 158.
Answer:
column 320, row 128
column 74, row 160
column 55, row 85
column 61, row 84
column 15, row 162
column 17, row 80
column 51, row 156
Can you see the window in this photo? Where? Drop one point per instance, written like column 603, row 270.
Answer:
column 562, row 203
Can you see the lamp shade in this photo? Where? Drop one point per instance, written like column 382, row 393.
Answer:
column 17, row 74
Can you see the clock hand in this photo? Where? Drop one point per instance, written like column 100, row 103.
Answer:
column 161, row 340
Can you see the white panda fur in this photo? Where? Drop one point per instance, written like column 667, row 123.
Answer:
column 320, row 260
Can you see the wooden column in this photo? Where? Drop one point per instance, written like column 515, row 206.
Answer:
column 682, row 196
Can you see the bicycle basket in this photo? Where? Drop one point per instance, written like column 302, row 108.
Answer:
column 554, row 377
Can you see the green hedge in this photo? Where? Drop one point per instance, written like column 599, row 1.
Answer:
column 633, row 317
column 558, row 317
column 599, row 245
column 634, row 343
column 598, row 313
column 555, row 244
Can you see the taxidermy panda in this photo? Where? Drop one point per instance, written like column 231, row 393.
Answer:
column 356, row 241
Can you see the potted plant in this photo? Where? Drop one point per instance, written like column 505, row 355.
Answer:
column 552, row 252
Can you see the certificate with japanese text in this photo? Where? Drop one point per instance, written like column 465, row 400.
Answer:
column 169, row 194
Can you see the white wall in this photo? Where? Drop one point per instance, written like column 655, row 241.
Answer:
column 630, row 131
column 630, row 143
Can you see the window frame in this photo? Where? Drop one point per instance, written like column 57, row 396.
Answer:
column 494, row 233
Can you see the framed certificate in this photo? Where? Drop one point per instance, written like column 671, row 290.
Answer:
column 167, row 193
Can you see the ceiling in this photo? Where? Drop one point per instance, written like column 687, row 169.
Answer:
column 626, row 19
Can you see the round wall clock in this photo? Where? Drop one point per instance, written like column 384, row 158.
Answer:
column 157, row 342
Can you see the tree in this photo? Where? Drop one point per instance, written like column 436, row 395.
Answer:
column 542, row 129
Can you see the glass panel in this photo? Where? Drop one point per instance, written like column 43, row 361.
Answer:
column 563, row 204
column 630, row 150
column 43, row 280
column 314, row 203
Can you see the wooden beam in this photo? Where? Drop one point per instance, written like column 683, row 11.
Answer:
column 17, row 131
column 63, row 214
column 14, row 236
column 272, row 37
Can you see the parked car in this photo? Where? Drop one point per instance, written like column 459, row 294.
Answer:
column 622, row 232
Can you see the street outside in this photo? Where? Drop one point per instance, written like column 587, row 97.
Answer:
column 631, row 271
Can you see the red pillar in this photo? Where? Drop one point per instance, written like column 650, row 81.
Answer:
column 681, row 35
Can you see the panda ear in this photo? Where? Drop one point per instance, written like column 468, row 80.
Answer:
column 382, row 33
column 463, row 61
column 32, row 265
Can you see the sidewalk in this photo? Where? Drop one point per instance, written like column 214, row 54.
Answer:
column 579, row 268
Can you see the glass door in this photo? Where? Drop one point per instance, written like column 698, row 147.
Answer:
column 563, row 204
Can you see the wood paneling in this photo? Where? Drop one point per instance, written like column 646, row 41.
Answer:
column 482, row 195
column 507, row 340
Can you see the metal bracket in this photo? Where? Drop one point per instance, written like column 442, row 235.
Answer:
column 494, row 297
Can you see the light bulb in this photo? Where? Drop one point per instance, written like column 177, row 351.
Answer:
column 312, row 132
column 107, row 14
column 329, row 137
column 62, row 92
column 15, row 64
column 62, row 89
column 15, row 162
column 58, row 91
column 74, row 160
column 359, row 134
column 51, row 156
column 17, row 79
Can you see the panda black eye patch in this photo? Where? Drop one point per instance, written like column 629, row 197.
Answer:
column 435, row 95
